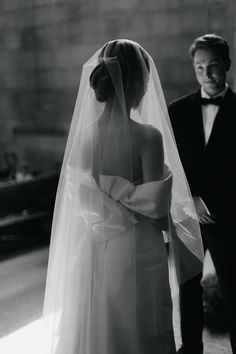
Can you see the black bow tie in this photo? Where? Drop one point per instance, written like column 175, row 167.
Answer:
column 216, row 101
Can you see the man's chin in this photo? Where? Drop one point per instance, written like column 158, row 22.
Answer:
column 211, row 90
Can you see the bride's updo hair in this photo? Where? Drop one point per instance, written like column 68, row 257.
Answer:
column 134, row 68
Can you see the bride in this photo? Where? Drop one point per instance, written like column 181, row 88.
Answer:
column 122, row 202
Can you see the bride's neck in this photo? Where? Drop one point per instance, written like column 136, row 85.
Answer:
column 114, row 110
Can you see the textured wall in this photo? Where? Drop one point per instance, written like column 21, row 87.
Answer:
column 43, row 44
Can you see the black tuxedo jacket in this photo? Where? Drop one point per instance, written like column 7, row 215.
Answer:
column 210, row 169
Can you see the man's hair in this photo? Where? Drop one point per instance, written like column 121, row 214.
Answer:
column 213, row 43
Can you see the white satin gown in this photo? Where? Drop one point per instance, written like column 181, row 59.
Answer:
column 125, row 304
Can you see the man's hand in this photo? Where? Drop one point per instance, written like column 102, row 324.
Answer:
column 204, row 216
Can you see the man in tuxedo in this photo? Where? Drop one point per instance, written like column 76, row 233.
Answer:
column 204, row 125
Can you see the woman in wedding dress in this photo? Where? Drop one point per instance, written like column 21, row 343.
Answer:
column 122, row 201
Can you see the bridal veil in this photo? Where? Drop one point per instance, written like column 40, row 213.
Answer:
column 86, row 218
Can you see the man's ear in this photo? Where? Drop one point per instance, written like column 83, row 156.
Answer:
column 228, row 64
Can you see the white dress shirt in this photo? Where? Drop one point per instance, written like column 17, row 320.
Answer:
column 209, row 113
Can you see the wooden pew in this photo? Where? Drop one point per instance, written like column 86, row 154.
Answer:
column 26, row 208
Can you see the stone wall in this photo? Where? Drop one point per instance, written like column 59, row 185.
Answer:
column 43, row 44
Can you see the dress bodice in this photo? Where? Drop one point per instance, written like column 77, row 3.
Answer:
column 111, row 207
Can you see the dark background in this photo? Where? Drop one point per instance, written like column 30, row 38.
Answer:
column 43, row 44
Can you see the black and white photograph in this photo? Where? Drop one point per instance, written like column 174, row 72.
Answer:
column 117, row 176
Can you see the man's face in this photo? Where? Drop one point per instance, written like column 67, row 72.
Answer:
column 210, row 71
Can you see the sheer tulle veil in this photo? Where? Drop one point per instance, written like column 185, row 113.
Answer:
column 119, row 78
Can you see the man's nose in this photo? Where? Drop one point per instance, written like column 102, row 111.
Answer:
column 204, row 74
column 208, row 72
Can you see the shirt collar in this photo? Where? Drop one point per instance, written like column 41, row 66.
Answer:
column 222, row 93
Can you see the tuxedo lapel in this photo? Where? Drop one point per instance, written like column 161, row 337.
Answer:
column 220, row 122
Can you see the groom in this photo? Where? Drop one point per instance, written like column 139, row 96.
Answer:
column 204, row 124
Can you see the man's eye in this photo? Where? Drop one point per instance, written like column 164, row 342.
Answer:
column 198, row 68
column 214, row 67
column 214, row 64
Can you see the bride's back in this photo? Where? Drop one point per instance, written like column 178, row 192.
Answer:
column 136, row 155
column 124, row 147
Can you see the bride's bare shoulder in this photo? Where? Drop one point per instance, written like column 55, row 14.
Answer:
column 146, row 134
